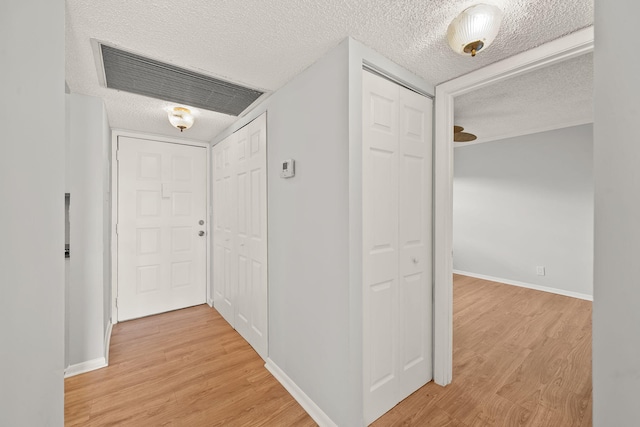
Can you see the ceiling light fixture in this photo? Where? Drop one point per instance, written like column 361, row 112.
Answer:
column 474, row 29
column 181, row 118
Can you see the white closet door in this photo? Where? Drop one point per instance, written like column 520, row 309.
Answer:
column 240, row 232
column 380, row 244
column 251, row 313
column 396, row 241
column 415, row 290
column 224, row 229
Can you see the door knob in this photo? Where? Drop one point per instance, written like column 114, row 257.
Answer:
column 415, row 260
column 200, row 233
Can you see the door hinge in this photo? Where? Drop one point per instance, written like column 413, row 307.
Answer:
column 116, row 228
column 116, row 302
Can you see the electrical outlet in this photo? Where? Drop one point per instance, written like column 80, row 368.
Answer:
column 540, row 270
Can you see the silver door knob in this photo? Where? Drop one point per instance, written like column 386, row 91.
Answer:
column 415, row 260
column 200, row 233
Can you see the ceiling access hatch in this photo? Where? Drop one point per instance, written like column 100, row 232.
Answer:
column 137, row 74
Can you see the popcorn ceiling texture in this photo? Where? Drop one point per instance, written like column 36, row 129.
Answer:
column 265, row 43
column 554, row 97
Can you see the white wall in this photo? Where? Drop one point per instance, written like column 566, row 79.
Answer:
column 308, row 233
column 616, row 313
column 88, row 157
column 32, row 226
column 524, row 202
column 106, row 223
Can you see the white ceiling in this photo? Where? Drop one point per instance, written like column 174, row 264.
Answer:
column 554, row 97
column 264, row 43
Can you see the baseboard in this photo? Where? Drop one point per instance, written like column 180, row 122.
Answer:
column 92, row 365
column 210, row 302
column 107, row 342
column 557, row 291
column 307, row 404
column 81, row 368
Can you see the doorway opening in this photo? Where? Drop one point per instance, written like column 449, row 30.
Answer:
column 566, row 48
column 513, row 321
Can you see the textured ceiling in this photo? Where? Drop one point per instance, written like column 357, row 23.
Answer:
column 553, row 97
column 264, row 43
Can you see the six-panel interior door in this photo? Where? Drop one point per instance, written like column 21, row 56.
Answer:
column 224, row 226
column 396, row 243
column 240, row 232
column 161, row 227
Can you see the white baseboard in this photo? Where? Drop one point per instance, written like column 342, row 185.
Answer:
column 307, row 404
column 107, row 342
column 210, row 302
column 557, row 291
column 81, row 368
column 92, row 365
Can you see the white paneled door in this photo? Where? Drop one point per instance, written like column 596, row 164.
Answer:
column 240, row 232
column 396, row 243
column 224, row 229
column 161, row 227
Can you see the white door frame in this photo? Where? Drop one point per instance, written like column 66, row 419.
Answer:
column 571, row 46
column 114, row 207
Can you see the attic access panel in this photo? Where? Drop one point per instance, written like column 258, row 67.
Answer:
column 133, row 73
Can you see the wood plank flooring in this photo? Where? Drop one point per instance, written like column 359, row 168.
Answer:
column 183, row 368
column 521, row 358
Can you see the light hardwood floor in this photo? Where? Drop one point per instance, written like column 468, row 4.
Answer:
column 521, row 358
column 182, row 368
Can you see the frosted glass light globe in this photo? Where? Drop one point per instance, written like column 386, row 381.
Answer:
column 474, row 29
column 181, row 118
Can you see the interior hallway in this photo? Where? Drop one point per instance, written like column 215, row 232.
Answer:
column 521, row 357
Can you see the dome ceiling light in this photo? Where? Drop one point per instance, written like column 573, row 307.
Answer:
column 181, row 118
column 474, row 29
